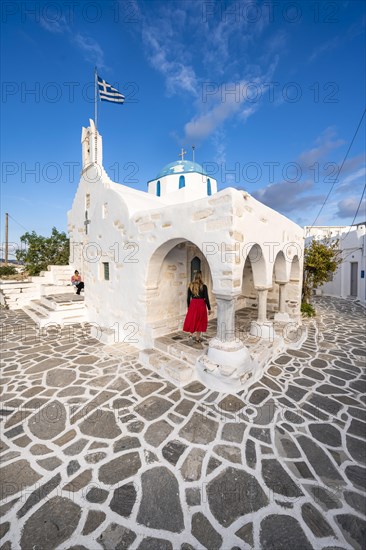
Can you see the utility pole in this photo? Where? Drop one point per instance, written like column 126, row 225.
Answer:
column 6, row 238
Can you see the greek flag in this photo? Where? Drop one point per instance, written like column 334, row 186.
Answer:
column 108, row 93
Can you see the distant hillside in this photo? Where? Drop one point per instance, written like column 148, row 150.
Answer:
column 15, row 262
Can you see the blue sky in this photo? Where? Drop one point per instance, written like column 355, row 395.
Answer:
column 270, row 93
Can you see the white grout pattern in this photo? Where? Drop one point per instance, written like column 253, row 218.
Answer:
column 98, row 451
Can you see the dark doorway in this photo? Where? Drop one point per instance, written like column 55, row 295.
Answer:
column 195, row 266
column 354, row 273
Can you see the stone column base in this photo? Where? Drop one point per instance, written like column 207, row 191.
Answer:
column 262, row 330
column 232, row 354
column 282, row 317
column 227, row 366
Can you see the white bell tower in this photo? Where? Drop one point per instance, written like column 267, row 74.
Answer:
column 91, row 146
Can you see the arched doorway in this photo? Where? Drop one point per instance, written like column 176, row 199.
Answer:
column 279, row 275
column 195, row 266
column 254, row 273
column 170, row 271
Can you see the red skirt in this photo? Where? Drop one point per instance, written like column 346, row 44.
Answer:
column 196, row 319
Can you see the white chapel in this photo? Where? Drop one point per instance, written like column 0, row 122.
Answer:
column 137, row 252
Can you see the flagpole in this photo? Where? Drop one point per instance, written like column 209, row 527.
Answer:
column 96, row 113
column 96, row 98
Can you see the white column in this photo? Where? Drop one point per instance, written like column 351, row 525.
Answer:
column 227, row 355
column 282, row 297
column 262, row 305
column 282, row 315
column 262, row 328
column 225, row 318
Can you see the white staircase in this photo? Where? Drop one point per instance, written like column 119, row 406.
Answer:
column 63, row 308
column 173, row 359
column 17, row 294
column 48, row 298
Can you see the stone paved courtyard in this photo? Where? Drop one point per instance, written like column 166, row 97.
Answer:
column 98, row 452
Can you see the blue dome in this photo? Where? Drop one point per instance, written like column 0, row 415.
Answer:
column 181, row 167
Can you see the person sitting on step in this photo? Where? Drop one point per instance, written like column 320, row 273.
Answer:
column 77, row 282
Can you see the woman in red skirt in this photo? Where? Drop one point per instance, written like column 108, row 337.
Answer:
column 198, row 302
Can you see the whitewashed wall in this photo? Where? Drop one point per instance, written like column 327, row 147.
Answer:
column 136, row 231
column 352, row 242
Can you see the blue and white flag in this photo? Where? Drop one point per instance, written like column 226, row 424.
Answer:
column 108, row 93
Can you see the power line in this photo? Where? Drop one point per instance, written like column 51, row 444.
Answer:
column 340, row 169
column 14, row 220
column 359, row 204
column 355, row 216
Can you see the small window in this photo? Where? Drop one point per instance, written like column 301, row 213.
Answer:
column 105, row 210
column 209, row 190
column 87, row 201
column 158, row 189
column 182, row 182
column 106, row 271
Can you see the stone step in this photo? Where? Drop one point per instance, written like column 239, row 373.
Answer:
column 48, row 289
column 60, row 309
column 21, row 289
column 17, row 301
column 178, row 350
column 60, row 318
column 62, row 302
column 59, row 268
column 43, row 309
column 36, row 316
column 177, row 371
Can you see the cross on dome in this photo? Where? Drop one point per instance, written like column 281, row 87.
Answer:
column 182, row 153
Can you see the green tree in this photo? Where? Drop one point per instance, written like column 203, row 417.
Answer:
column 7, row 270
column 43, row 251
column 321, row 258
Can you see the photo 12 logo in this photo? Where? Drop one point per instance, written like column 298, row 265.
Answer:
column 61, row 14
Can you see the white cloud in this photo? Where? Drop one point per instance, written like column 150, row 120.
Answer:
column 288, row 197
column 166, row 53
column 202, row 125
column 55, row 26
column 91, row 49
column 189, row 50
column 347, row 208
column 328, row 46
column 325, row 143
column 348, row 182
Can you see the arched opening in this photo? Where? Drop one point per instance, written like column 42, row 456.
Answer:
column 182, row 182
column 158, row 189
column 169, row 273
column 258, row 265
column 248, row 291
column 295, row 269
column 279, row 275
column 254, row 274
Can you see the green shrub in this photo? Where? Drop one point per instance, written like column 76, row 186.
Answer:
column 40, row 252
column 307, row 310
column 7, row 270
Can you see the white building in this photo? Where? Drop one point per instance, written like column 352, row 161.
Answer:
column 349, row 279
column 137, row 253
